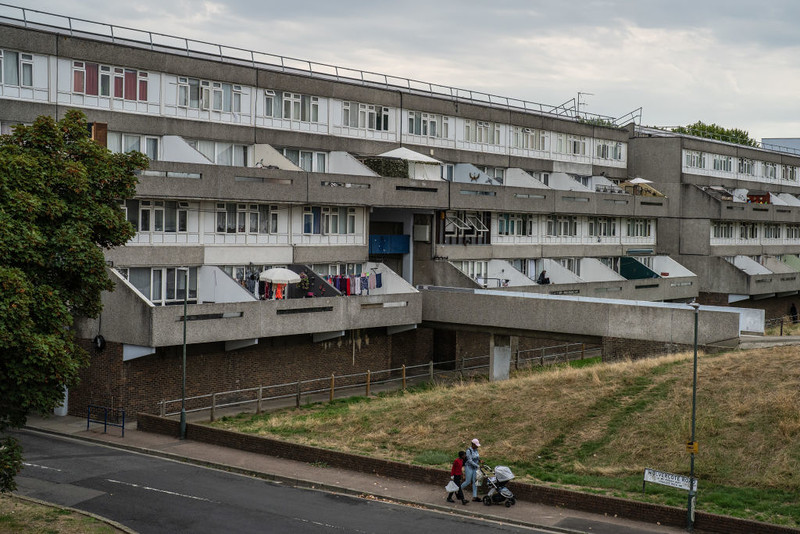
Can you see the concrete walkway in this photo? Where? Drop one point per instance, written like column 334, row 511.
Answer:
column 318, row 477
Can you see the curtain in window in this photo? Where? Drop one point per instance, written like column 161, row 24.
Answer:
column 130, row 84
column 91, row 78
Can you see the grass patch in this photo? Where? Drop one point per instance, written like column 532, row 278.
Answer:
column 19, row 516
column 434, row 458
column 593, row 427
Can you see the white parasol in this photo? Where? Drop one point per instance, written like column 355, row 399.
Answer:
column 638, row 181
column 279, row 275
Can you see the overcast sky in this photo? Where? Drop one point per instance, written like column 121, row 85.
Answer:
column 731, row 62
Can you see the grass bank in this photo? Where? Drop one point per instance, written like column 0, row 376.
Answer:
column 593, row 428
column 19, row 516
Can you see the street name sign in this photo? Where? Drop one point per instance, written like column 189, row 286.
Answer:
column 668, row 479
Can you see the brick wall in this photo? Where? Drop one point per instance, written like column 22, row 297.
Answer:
column 138, row 385
column 638, row 511
column 615, row 348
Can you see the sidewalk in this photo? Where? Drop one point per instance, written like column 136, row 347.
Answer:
column 302, row 475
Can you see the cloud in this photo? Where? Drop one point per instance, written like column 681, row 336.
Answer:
column 682, row 60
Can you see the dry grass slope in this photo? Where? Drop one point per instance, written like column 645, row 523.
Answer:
column 587, row 426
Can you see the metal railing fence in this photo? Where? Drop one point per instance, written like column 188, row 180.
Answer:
column 319, row 389
column 160, row 42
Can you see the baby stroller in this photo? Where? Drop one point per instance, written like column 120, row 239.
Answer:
column 496, row 482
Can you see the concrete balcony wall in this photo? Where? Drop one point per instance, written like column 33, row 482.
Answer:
column 219, row 182
column 577, row 316
column 274, row 318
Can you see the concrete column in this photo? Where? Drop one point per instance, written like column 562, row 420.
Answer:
column 499, row 357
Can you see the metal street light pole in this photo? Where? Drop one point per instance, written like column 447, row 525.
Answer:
column 183, row 383
column 692, row 493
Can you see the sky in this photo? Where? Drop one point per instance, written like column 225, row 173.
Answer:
column 731, row 62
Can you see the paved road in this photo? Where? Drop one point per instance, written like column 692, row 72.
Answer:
column 153, row 495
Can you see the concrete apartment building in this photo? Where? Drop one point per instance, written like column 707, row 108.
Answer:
column 371, row 186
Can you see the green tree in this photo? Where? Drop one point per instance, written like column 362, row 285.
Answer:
column 59, row 208
column 714, row 131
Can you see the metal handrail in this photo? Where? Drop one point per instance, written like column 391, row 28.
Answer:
column 564, row 352
column 156, row 41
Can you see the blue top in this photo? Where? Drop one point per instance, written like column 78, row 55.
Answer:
column 473, row 458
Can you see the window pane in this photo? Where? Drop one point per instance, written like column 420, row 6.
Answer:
column 157, row 284
column 132, row 143
column 11, row 68
column 182, row 220
column 144, row 220
column 130, row 84
column 158, row 222
column 170, row 284
column 152, row 148
column 91, row 78
column 170, row 217
column 139, row 277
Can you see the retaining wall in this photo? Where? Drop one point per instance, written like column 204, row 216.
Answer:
column 638, row 511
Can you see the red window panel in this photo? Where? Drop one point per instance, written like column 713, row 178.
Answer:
column 143, row 90
column 118, row 85
column 91, row 78
column 130, row 84
column 78, row 81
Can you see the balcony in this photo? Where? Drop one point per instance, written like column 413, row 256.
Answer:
column 238, row 319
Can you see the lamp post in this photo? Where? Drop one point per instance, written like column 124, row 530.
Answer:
column 183, row 382
column 692, row 493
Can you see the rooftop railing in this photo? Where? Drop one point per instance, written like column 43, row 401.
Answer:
column 159, row 42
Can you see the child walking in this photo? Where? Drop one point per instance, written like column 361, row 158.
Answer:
column 456, row 474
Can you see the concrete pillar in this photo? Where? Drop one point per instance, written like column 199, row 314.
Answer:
column 499, row 357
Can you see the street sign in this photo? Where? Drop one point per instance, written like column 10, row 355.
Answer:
column 668, row 479
column 691, row 447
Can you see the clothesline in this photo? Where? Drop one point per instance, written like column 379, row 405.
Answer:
column 354, row 284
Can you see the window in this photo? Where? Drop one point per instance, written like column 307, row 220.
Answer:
column 119, row 142
column 86, row 79
column 16, row 68
column 772, row 231
column 695, row 159
column 746, row 166
column 164, row 285
column 527, row 138
column 222, row 153
column 608, row 150
column 770, row 171
column 639, row 227
column 789, row 173
column 571, row 264
column 300, row 107
column 307, row 160
column 748, row 231
column 576, row 145
column 722, row 230
column 562, row 225
column 365, row 116
column 206, row 95
column 158, row 215
column 602, row 226
column 723, row 163
column 271, row 106
column 312, row 216
column 510, row 224
column 792, row 231
column 427, row 124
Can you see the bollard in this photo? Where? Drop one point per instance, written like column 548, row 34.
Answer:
column 404, row 377
column 583, row 350
column 163, row 408
column 368, row 375
column 430, row 369
column 781, row 325
column 213, row 406
column 260, row 398
column 332, row 386
column 297, row 398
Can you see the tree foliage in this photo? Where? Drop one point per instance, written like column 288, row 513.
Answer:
column 714, row 131
column 59, row 208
